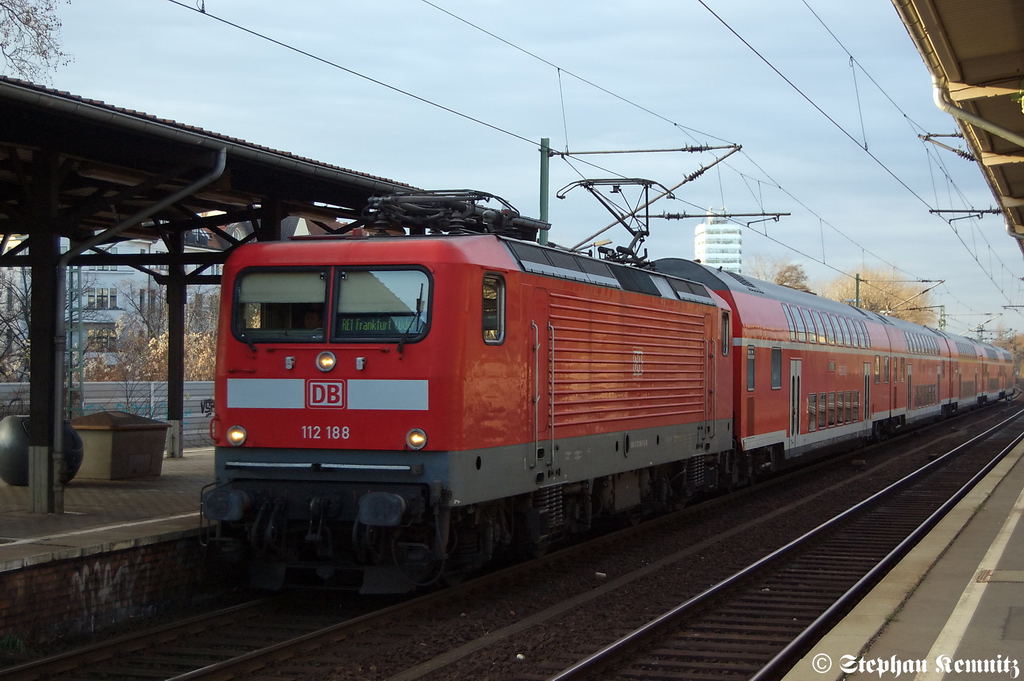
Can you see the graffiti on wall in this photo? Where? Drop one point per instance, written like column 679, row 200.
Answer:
column 112, row 590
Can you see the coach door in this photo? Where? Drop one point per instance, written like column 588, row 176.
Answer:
column 866, row 411
column 542, row 338
column 795, row 391
column 910, row 387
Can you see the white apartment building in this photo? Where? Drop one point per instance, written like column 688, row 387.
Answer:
column 719, row 243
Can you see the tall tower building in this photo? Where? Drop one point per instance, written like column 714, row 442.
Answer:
column 719, row 243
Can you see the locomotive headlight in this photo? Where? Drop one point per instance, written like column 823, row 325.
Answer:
column 416, row 438
column 236, row 435
column 325, row 361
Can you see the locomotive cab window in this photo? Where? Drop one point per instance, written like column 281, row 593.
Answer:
column 382, row 305
column 493, row 309
column 285, row 305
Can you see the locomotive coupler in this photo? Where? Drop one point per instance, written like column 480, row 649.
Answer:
column 318, row 533
column 275, row 524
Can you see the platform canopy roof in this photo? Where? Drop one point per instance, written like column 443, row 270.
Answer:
column 974, row 50
column 108, row 163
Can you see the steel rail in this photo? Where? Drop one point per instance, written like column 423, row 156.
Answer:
column 655, row 626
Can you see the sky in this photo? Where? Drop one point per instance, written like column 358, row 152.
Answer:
column 456, row 94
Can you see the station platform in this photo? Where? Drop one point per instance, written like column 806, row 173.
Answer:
column 953, row 608
column 101, row 516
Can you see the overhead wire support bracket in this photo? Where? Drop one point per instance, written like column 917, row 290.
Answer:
column 959, row 152
column 687, row 216
column 969, row 213
column 694, row 149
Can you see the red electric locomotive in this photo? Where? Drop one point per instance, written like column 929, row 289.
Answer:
column 393, row 410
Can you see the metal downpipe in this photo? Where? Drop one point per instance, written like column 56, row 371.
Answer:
column 943, row 102
column 60, row 334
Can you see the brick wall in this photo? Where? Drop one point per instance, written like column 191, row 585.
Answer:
column 86, row 595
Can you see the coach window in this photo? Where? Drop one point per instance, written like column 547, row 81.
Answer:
column 830, row 333
column 493, row 309
column 831, row 409
column 812, row 412
column 847, row 336
column 726, row 338
column 878, row 369
column 776, row 368
column 789, row 322
column 822, row 412
column 819, row 326
column 750, row 367
column 812, row 335
column 885, row 373
column 801, row 331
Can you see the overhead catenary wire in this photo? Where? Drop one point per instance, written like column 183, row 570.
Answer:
column 621, row 98
column 689, row 131
column 375, row 81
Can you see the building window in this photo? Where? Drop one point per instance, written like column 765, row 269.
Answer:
column 102, row 339
column 493, row 309
column 101, row 298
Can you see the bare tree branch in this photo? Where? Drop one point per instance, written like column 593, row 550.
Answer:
column 30, row 38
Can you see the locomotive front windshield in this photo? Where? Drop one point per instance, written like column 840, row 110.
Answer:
column 289, row 305
column 381, row 304
column 281, row 305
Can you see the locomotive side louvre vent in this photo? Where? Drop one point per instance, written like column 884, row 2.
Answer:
column 560, row 264
column 689, row 288
column 564, row 261
column 573, row 266
column 635, row 280
column 743, row 280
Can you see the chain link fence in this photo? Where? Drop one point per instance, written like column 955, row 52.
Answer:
column 143, row 398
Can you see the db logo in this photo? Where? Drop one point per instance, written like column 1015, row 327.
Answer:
column 325, row 394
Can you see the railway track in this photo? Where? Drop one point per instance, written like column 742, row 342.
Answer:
column 758, row 622
column 435, row 636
